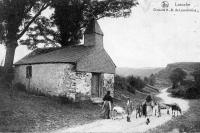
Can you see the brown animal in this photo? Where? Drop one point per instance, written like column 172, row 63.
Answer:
column 175, row 108
column 139, row 110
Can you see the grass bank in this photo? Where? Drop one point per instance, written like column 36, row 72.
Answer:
column 22, row 112
column 189, row 122
column 28, row 113
column 186, row 92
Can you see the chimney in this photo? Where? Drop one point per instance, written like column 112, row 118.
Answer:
column 93, row 35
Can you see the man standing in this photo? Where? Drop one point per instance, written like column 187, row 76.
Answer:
column 107, row 101
column 149, row 108
column 129, row 109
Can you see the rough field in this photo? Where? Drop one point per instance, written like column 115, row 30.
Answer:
column 22, row 112
column 189, row 122
column 26, row 113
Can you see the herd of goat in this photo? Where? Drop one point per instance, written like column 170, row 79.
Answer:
column 118, row 111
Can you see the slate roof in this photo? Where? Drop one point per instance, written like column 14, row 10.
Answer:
column 99, row 61
column 86, row 58
column 69, row 54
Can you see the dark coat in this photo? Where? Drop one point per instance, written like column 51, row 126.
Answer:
column 108, row 98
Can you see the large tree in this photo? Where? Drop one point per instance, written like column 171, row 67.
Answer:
column 152, row 79
column 135, row 82
column 196, row 75
column 70, row 18
column 65, row 27
column 16, row 16
column 177, row 76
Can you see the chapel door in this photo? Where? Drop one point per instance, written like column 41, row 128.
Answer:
column 96, row 89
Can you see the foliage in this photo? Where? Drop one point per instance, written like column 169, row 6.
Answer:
column 129, row 83
column 7, row 75
column 130, row 89
column 120, row 83
column 196, row 75
column 188, row 88
column 136, row 82
column 187, row 83
column 177, row 76
column 192, row 92
column 65, row 27
column 151, row 80
column 72, row 17
column 178, row 92
column 188, row 92
column 16, row 17
column 146, row 80
column 20, row 87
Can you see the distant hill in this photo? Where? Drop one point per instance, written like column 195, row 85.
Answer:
column 141, row 72
column 188, row 67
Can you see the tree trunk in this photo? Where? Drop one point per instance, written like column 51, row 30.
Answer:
column 10, row 53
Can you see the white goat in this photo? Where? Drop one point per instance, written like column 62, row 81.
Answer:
column 118, row 111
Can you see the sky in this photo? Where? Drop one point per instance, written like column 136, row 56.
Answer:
column 150, row 38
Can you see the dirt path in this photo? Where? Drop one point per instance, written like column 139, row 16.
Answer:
column 136, row 125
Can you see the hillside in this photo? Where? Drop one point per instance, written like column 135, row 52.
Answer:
column 23, row 112
column 188, row 67
column 141, row 72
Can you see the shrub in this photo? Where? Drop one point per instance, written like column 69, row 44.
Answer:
column 196, row 75
column 6, row 76
column 20, row 87
column 65, row 99
column 177, row 76
column 130, row 83
column 136, row 82
column 131, row 89
column 187, row 83
column 186, row 92
column 192, row 92
column 120, row 83
column 152, row 80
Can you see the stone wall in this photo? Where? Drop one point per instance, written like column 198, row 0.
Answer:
column 47, row 78
column 108, row 83
column 55, row 79
column 61, row 79
column 77, row 85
